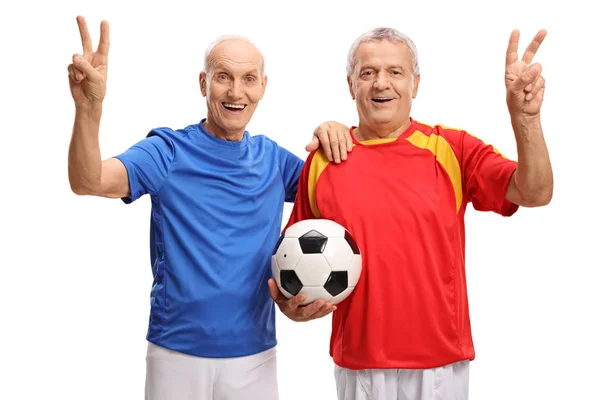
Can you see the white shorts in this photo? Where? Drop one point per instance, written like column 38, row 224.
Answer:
column 171, row 375
column 450, row 382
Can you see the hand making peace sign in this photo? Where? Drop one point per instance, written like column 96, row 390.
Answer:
column 87, row 73
column 524, row 82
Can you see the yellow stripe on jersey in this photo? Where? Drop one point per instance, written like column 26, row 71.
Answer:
column 317, row 165
column 444, row 154
column 377, row 141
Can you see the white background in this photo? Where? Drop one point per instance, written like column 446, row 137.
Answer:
column 74, row 288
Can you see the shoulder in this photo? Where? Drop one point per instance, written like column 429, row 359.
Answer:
column 171, row 134
column 447, row 132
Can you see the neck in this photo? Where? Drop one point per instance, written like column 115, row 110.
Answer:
column 368, row 132
column 221, row 133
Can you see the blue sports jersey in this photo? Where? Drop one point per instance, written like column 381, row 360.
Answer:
column 216, row 217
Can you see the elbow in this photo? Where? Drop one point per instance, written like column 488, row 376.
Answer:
column 539, row 198
column 80, row 188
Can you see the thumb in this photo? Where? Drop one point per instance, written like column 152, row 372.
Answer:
column 84, row 66
column 273, row 289
column 313, row 145
column 528, row 76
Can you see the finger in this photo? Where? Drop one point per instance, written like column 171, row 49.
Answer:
column 343, row 148
column 104, row 44
column 295, row 301
column 274, row 291
column 324, row 143
column 527, row 77
column 534, row 46
column 334, row 144
column 538, row 85
column 512, row 52
column 325, row 310
column 74, row 74
column 313, row 145
column 84, row 66
column 349, row 144
column 86, row 40
column 307, row 312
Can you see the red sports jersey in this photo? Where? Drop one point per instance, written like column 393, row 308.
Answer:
column 404, row 201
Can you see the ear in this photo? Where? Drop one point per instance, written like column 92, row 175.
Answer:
column 203, row 83
column 415, row 90
column 263, row 86
column 349, row 80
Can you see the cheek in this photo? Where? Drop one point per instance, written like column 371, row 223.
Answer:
column 255, row 94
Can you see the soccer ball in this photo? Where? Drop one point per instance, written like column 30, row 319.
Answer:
column 318, row 258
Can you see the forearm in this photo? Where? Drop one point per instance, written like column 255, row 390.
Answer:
column 85, row 163
column 533, row 178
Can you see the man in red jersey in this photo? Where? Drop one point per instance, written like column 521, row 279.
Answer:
column 404, row 333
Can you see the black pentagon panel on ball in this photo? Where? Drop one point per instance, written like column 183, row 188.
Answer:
column 290, row 282
column 278, row 243
column 312, row 242
column 351, row 242
column 337, row 282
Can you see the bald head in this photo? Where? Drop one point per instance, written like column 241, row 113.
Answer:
column 231, row 48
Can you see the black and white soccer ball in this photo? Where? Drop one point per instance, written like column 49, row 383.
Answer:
column 319, row 258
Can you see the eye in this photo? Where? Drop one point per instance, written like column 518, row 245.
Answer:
column 250, row 79
column 366, row 73
column 396, row 73
column 222, row 77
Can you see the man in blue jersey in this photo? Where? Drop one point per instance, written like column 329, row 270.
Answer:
column 217, row 199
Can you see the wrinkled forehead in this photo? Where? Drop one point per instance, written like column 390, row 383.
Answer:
column 235, row 56
column 383, row 54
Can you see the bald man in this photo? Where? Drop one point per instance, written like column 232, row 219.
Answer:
column 217, row 200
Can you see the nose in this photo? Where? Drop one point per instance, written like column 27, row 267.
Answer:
column 235, row 90
column 381, row 82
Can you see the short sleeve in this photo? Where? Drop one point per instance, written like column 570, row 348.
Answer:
column 148, row 163
column 487, row 174
column 290, row 166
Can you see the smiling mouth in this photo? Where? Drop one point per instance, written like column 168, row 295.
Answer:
column 234, row 107
column 381, row 99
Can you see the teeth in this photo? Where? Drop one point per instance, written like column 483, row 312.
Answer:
column 238, row 106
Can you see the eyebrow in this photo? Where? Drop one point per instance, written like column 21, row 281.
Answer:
column 395, row 66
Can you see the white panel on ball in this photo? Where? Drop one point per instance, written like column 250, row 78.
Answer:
column 338, row 253
column 355, row 270
column 313, row 270
column 299, row 228
column 277, row 276
column 315, row 293
column 329, row 228
column 289, row 253
column 342, row 296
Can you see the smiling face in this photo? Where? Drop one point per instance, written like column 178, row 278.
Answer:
column 233, row 85
column 383, row 85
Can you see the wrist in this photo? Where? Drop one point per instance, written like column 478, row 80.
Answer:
column 90, row 109
column 526, row 124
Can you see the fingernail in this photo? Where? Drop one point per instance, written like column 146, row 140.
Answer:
column 529, row 87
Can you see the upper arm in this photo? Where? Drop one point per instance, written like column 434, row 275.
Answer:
column 114, row 182
column 488, row 176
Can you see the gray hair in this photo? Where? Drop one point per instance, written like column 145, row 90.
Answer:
column 378, row 34
column 208, row 63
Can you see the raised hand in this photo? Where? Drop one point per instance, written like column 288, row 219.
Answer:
column 524, row 83
column 87, row 73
